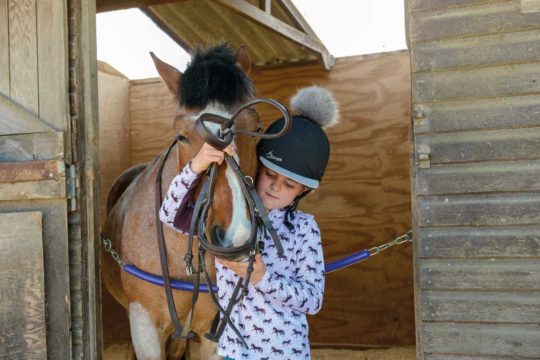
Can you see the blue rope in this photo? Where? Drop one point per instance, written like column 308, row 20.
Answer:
column 188, row 286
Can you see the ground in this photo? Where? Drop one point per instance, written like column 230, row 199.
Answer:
column 124, row 352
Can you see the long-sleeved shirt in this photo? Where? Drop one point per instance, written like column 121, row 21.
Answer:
column 272, row 317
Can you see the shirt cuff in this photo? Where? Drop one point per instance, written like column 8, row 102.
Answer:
column 188, row 174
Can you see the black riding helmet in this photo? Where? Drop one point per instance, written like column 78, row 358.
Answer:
column 302, row 154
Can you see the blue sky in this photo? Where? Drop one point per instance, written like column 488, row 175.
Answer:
column 124, row 38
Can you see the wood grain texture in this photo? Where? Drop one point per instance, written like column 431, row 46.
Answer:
column 489, row 82
column 479, row 242
column 492, row 145
column 483, row 339
column 494, row 307
column 53, row 65
column 423, row 5
column 40, row 146
column 23, row 60
column 22, row 295
column 31, row 170
column 15, row 119
column 514, row 48
column 4, row 48
column 56, row 266
column 488, row 18
column 481, row 274
column 476, row 209
column 480, row 210
column 364, row 199
column 480, row 178
column 114, row 132
column 48, row 189
column 151, row 117
column 484, row 114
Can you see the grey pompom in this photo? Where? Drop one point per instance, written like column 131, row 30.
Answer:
column 316, row 103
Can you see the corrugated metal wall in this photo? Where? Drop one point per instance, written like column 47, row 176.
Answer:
column 476, row 177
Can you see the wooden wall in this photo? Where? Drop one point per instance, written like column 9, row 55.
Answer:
column 365, row 196
column 114, row 129
column 476, row 79
column 35, row 297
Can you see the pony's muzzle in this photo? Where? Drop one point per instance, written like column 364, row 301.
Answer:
column 219, row 238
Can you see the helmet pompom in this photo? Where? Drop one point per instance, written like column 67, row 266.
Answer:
column 316, row 103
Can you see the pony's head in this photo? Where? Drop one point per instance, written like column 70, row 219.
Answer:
column 216, row 81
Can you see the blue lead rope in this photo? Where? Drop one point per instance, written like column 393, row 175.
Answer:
column 188, row 286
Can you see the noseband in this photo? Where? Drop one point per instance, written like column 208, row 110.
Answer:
column 258, row 219
column 258, row 216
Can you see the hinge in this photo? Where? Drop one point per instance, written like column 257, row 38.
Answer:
column 424, row 161
column 72, row 186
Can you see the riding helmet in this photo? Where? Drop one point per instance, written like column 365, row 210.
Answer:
column 302, row 154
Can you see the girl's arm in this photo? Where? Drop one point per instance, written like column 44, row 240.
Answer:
column 175, row 210
column 303, row 291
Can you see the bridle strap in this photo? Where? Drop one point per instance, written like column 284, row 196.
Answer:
column 163, row 251
column 251, row 194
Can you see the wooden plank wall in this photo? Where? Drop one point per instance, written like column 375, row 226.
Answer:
column 34, row 127
column 476, row 78
column 365, row 196
column 22, row 304
column 114, row 129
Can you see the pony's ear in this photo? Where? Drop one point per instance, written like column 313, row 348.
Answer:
column 168, row 73
column 242, row 59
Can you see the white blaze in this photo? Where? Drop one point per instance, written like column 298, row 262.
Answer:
column 240, row 228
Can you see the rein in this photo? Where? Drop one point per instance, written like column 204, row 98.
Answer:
column 258, row 218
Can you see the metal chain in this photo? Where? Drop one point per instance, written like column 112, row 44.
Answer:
column 108, row 248
column 399, row 240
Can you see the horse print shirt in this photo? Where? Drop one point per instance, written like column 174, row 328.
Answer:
column 272, row 317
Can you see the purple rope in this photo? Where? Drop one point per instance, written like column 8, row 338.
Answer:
column 188, row 286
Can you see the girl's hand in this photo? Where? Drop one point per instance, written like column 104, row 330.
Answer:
column 240, row 268
column 207, row 155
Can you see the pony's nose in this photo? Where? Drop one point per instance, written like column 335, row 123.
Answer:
column 219, row 238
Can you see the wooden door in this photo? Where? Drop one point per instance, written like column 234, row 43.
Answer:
column 476, row 190
column 44, row 249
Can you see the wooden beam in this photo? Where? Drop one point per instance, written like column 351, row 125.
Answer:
column 167, row 29
column 296, row 17
column 252, row 13
column 15, row 119
column 15, row 171
column 111, row 5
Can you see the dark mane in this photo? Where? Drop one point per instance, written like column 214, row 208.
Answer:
column 213, row 76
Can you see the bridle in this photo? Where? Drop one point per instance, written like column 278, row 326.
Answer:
column 258, row 218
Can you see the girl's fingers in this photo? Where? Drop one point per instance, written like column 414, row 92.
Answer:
column 229, row 149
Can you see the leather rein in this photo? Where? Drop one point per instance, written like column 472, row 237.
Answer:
column 258, row 217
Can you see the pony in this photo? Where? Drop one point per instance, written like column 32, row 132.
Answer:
column 215, row 81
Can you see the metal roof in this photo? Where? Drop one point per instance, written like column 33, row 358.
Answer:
column 273, row 31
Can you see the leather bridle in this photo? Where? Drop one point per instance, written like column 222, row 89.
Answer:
column 258, row 217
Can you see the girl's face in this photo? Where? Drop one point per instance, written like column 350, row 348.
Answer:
column 275, row 190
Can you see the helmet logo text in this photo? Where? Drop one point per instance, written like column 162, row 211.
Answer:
column 270, row 155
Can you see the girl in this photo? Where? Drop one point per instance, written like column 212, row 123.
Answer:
column 283, row 289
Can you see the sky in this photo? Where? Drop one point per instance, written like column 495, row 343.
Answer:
column 355, row 27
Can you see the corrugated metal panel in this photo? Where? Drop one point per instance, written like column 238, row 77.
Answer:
column 476, row 125
column 203, row 22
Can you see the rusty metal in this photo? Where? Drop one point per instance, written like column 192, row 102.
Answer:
column 11, row 172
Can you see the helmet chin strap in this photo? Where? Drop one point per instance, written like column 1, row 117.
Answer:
column 291, row 210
